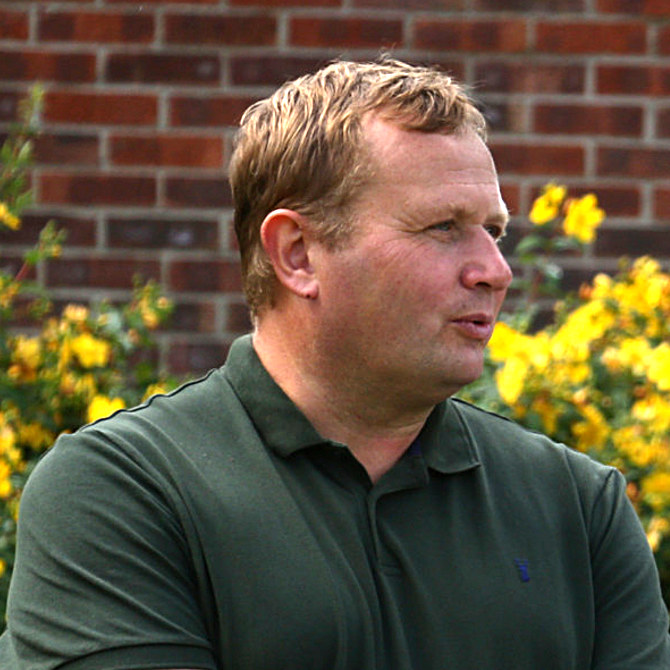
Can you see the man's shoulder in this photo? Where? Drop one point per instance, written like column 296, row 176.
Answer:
column 199, row 403
column 199, row 417
column 500, row 440
column 484, row 423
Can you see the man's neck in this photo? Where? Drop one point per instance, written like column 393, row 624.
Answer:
column 376, row 433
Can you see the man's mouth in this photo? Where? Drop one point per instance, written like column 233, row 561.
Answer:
column 478, row 326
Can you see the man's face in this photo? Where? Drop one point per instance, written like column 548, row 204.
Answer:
column 410, row 302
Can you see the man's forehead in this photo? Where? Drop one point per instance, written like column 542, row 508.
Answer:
column 390, row 146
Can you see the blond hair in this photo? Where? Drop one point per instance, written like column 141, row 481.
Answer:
column 303, row 149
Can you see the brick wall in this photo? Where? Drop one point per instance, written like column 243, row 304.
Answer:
column 142, row 98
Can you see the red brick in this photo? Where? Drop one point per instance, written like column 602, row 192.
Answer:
column 450, row 5
column 530, row 5
column 635, row 163
column 101, row 189
column 220, row 30
column 162, row 233
column 222, row 110
column 633, row 79
column 503, row 116
column 98, row 27
column 203, row 276
column 270, row 70
column 664, row 40
column 69, row 106
column 574, row 279
column 12, row 263
column 199, row 317
column 203, row 68
column 662, row 203
column 507, row 36
column 589, row 37
column 345, row 32
column 663, row 123
column 46, row 66
column 113, row 273
column 511, row 195
column 530, row 78
column 632, row 242
column 13, row 25
column 588, row 120
column 285, row 3
column 167, row 2
column 80, row 231
column 453, row 67
column 9, row 105
column 615, row 200
column 166, row 150
column 189, row 358
column 201, row 193
column 535, row 158
column 635, row 7
column 67, row 149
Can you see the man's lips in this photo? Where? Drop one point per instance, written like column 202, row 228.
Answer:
column 476, row 326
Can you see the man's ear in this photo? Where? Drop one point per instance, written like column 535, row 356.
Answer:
column 285, row 237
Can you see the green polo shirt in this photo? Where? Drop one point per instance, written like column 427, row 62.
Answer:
column 215, row 528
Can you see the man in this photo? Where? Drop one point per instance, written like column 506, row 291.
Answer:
column 320, row 501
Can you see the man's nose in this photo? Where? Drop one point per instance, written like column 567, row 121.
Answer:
column 487, row 266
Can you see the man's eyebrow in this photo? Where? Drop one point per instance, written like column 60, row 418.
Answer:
column 501, row 218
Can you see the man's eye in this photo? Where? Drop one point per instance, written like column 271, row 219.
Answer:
column 496, row 232
column 445, row 225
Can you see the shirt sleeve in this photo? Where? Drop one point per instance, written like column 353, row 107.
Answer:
column 103, row 578
column 631, row 617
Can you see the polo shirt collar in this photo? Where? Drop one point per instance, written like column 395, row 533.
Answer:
column 445, row 442
column 281, row 425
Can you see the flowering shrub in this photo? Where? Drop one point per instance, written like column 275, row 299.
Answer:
column 59, row 370
column 598, row 377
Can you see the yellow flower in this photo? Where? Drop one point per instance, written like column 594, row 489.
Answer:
column 546, row 207
column 548, row 411
column 658, row 368
column 9, row 219
column 631, row 353
column 153, row 389
column 639, row 448
column 582, row 218
column 26, row 358
column 149, row 317
column 75, row 313
column 101, row 407
column 64, row 354
column 7, row 436
column 656, row 488
column 510, row 379
column 586, row 323
column 86, row 386
column 657, row 529
column 522, row 355
column 27, row 352
column 5, row 482
column 35, row 436
column 91, row 351
column 593, row 432
column 504, row 341
column 3, row 567
column 9, row 289
column 654, row 412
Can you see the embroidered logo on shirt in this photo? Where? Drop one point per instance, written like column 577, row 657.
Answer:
column 522, row 566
